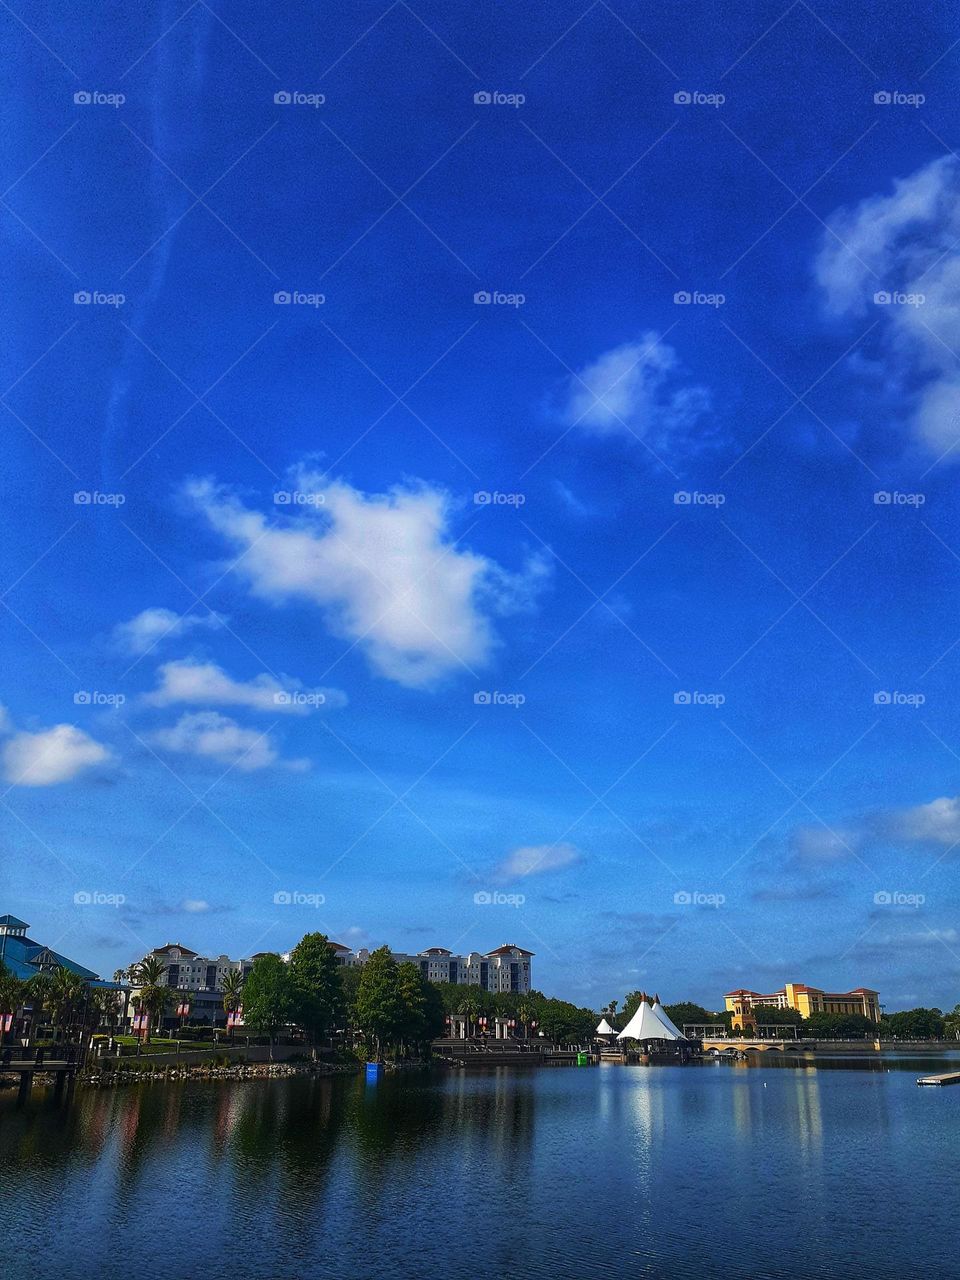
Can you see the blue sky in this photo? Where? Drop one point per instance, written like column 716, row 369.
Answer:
column 623, row 595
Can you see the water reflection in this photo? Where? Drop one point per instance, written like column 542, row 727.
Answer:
column 442, row 1172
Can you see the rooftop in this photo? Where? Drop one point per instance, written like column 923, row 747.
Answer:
column 172, row 946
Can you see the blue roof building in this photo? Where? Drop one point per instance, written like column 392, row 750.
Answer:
column 25, row 958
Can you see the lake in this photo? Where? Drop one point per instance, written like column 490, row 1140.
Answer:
column 704, row 1170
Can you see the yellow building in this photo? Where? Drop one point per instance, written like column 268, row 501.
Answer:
column 747, row 1006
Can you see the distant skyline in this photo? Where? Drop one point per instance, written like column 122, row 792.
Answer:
column 459, row 451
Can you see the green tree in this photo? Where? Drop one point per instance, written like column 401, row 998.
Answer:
column 839, row 1026
column 686, row 1014
column 631, row 1003
column 350, row 985
column 268, row 997
column 316, row 982
column 564, row 1023
column 914, row 1024
column 778, row 1017
column 411, row 989
column 379, row 1008
column 951, row 1023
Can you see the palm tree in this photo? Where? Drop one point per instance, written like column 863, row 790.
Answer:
column 150, row 976
column 13, row 992
column 232, row 993
column 67, row 997
column 471, row 1006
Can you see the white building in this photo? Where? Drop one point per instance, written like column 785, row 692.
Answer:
column 508, row 968
column 200, row 978
column 188, row 971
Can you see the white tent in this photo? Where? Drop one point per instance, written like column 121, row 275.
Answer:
column 661, row 1013
column 645, row 1025
column 605, row 1029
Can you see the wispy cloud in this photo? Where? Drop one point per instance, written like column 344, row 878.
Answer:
column 636, row 388
column 213, row 736
column 141, row 633
column 50, row 756
column 206, row 684
column 538, row 859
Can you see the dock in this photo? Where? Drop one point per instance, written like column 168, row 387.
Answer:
column 63, row 1068
column 946, row 1077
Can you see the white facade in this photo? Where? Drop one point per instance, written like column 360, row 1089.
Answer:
column 507, row 968
column 187, row 971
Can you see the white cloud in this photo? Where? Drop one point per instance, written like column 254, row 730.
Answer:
column 906, row 245
column 204, row 683
column 383, row 568
column 50, row 756
column 213, row 736
column 195, row 906
column 936, row 823
column 633, row 389
column 535, row 859
column 140, row 634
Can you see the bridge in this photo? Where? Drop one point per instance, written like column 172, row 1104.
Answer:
column 723, row 1045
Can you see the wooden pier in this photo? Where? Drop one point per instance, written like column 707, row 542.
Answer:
column 946, row 1077
column 63, row 1069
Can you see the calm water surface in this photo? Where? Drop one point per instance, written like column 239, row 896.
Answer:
column 712, row 1170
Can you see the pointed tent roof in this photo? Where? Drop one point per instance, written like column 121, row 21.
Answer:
column 645, row 1025
column 605, row 1029
column 661, row 1013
